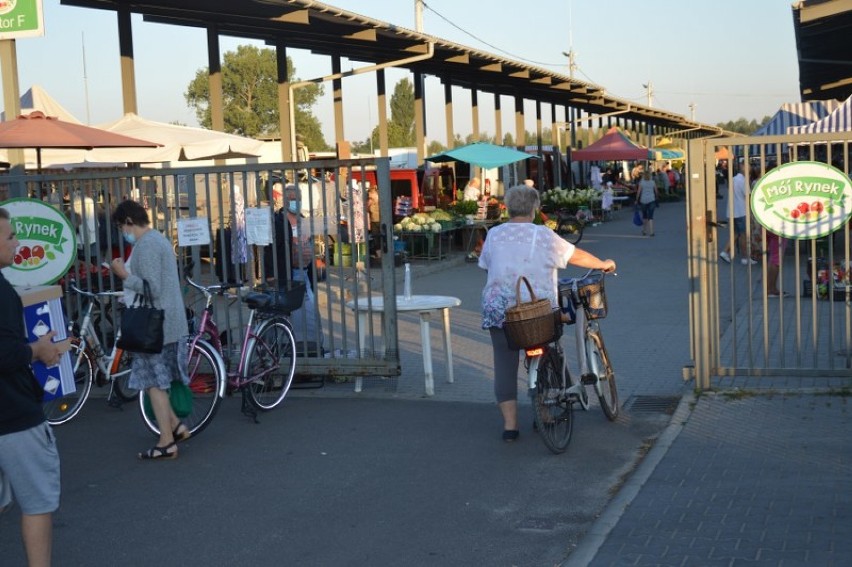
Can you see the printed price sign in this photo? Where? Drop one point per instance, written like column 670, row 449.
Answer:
column 193, row 232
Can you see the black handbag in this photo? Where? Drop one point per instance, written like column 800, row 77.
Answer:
column 142, row 325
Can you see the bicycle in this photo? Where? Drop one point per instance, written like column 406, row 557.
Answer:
column 569, row 226
column 552, row 387
column 267, row 364
column 90, row 359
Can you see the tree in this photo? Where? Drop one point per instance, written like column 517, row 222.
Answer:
column 743, row 125
column 250, row 97
column 401, row 124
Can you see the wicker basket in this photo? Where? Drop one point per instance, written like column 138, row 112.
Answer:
column 591, row 292
column 529, row 323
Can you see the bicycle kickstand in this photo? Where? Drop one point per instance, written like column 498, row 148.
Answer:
column 248, row 409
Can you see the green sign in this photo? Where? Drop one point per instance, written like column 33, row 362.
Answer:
column 21, row 18
column 802, row 200
column 48, row 244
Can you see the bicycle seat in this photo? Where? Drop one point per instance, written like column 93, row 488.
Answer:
column 284, row 300
column 255, row 300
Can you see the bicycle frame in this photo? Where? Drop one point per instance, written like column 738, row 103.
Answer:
column 107, row 363
column 208, row 327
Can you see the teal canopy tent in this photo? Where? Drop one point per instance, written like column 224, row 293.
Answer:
column 481, row 154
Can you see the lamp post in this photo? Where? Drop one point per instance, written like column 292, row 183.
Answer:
column 571, row 65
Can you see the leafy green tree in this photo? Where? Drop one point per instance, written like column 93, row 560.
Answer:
column 250, row 97
column 401, row 124
column 435, row 147
column 743, row 125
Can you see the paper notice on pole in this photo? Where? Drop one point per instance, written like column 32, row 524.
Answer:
column 193, row 231
column 259, row 226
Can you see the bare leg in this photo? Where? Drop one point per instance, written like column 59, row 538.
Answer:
column 37, row 533
column 166, row 418
column 509, row 410
column 771, row 279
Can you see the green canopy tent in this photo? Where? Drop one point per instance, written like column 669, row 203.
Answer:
column 481, row 154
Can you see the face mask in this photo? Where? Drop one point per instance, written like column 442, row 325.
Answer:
column 294, row 206
column 129, row 237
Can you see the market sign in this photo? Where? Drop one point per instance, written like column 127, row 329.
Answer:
column 21, row 18
column 48, row 244
column 802, row 200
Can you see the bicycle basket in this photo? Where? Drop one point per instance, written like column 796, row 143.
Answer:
column 529, row 323
column 591, row 292
column 529, row 333
column 283, row 300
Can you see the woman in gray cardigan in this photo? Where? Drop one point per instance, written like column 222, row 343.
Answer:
column 153, row 260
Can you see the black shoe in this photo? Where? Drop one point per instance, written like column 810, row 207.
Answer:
column 510, row 435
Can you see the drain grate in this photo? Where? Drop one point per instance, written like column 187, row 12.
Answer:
column 652, row 404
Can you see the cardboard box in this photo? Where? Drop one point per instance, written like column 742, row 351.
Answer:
column 42, row 314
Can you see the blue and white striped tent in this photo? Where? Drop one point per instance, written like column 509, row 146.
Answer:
column 838, row 121
column 790, row 114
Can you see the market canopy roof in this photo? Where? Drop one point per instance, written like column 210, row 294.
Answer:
column 823, row 29
column 36, row 98
column 840, row 120
column 481, row 154
column 327, row 30
column 615, row 145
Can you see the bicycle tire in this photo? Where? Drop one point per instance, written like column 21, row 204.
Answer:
column 61, row 410
column 605, row 386
column 571, row 229
column 552, row 411
column 272, row 353
column 207, row 382
column 120, row 386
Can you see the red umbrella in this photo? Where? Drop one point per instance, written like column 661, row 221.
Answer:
column 35, row 130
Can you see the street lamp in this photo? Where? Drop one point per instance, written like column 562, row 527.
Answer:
column 571, row 65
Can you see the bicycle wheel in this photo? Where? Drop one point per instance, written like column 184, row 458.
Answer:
column 599, row 363
column 571, row 229
column 551, row 408
column 207, row 382
column 270, row 363
column 121, row 375
column 60, row 410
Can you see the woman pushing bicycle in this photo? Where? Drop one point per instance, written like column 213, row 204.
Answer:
column 153, row 261
column 514, row 249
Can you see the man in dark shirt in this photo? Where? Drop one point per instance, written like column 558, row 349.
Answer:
column 29, row 461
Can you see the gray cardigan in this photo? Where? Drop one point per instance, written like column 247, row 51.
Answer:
column 154, row 260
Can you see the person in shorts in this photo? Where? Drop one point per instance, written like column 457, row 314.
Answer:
column 29, row 460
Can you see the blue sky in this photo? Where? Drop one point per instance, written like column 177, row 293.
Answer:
column 730, row 57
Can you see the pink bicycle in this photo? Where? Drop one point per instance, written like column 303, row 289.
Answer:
column 267, row 362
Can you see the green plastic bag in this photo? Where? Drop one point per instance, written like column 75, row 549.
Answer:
column 180, row 397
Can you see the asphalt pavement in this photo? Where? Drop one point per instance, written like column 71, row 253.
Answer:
column 390, row 477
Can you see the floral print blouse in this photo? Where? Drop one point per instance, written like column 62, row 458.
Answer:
column 512, row 250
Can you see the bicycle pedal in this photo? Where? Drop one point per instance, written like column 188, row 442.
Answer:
column 588, row 379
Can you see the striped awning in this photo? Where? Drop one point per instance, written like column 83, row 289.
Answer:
column 790, row 114
column 840, row 120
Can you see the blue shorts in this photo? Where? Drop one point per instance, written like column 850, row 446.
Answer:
column 29, row 468
column 739, row 226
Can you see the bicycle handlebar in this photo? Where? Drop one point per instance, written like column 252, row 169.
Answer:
column 218, row 289
column 99, row 295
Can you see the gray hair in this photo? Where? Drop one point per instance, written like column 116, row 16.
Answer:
column 521, row 201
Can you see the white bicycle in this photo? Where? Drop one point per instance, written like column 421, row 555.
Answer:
column 92, row 363
column 553, row 388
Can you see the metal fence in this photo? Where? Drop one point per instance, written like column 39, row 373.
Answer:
column 740, row 328
column 334, row 213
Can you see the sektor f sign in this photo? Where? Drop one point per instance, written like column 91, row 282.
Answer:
column 48, row 243
column 802, row 200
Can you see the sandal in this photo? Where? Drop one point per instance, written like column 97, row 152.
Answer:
column 156, row 452
column 181, row 435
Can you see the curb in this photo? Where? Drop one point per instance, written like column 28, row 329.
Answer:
column 593, row 539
